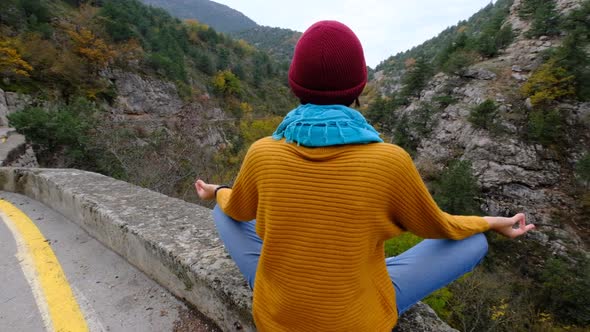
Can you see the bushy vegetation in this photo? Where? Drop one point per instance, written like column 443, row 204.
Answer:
column 456, row 191
column 380, row 113
column 545, row 126
column 532, row 291
column 566, row 72
column 400, row 244
column 482, row 115
column 64, row 132
column 583, row 169
column 566, row 290
column 549, row 83
column 544, row 17
column 418, row 72
column 405, row 130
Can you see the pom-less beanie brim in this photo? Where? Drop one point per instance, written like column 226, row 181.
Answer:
column 319, row 97
column 328, row 65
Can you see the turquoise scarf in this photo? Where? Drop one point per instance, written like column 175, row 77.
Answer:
column 325, row 125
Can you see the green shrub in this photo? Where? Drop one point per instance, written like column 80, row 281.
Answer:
column 458, row 61
column 483, row 115
column 172, row 68
column 583, row 169
column 422, row 119
column 403, row 137
column 456, row 190
column 566, row 289
column 63, row 129
column 548, row 83
column 227, row 83
column 572, row 53
column 504, row 37
column 439, row 302
column 399, row 244
column 545, row 127
column 416, row 77
column 545, row 19
column 381, row 113
column 443, row 101
column 206, row 64
column 36, row 9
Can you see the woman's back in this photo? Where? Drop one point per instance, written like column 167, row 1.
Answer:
column 323, row 215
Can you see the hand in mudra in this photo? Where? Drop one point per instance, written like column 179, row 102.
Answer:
column 505, row 226
column 205, row 190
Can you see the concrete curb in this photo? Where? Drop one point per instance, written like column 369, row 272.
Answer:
column 172, row 241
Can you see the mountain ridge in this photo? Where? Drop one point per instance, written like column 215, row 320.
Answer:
column 278, row 42
column 219, row 16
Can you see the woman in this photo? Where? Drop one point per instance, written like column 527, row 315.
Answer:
column 326, row 193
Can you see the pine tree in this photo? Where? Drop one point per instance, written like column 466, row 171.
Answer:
column 482, row 116
column 457, row 189
column 416, row 77
column 545, row 20
column 572, row 55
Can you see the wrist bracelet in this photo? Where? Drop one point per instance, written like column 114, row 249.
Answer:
column 221, row 187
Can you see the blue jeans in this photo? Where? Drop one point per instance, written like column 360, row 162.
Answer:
column 417, row 272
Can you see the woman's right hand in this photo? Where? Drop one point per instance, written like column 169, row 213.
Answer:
column 505, row 226
column 205, row 190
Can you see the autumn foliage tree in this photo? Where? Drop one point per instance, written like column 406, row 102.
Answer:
column 91, row 47
column 550, row 82
column 227, row 83
column 11, row 61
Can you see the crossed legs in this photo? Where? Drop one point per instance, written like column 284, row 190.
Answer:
column 417, row 272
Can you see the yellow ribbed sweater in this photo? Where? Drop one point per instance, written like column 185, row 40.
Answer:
column 323, row 215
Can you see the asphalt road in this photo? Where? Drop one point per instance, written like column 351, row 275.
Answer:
column 112, row 295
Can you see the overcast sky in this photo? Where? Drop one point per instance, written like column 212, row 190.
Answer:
column 385, row 27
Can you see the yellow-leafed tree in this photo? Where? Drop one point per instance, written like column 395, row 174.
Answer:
column 89, row 46
column 11, row 62
column 550, row 82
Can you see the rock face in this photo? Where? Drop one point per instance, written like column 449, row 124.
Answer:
column 479, row 74
column 27, row 159
column 137, row 95
column 3, row 109
column 14, row 151
column 11, row 102
column 421, row 318
column 514, row 175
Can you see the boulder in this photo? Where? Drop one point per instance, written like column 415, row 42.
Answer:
column 421, row 318
column 478, row 74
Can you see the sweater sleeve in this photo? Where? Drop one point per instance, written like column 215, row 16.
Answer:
column 415, row 210
column 241, row 201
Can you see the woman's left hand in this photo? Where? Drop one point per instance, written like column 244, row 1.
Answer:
column 505, row 226
column 204, row 190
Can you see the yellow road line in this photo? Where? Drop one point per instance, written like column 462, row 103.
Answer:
column 52, row 291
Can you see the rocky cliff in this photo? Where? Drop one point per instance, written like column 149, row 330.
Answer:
column 514, row 174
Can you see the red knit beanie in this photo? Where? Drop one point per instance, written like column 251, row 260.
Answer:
column 328, row 66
